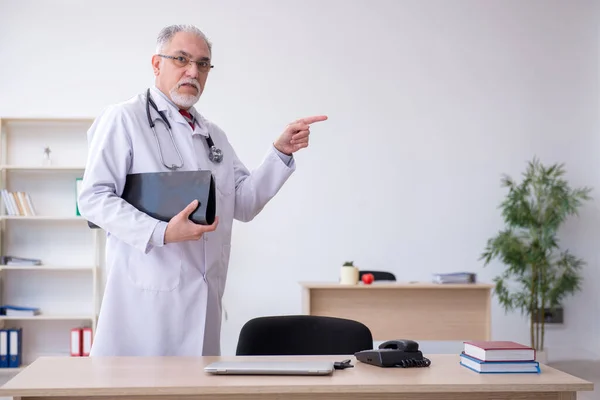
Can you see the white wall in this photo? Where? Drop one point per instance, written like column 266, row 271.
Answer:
column 429, row 103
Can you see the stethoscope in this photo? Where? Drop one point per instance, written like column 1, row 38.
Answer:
column 215, row 155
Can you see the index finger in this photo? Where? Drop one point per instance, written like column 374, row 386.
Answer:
column 313, row 119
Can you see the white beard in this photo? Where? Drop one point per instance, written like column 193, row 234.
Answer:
column 184, row 100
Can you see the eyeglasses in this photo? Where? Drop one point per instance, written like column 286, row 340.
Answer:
column 183, row 61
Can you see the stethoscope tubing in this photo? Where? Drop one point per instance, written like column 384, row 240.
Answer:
column 215, row 155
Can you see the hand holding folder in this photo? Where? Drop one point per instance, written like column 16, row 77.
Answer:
column 164, row 195
column 180, row 228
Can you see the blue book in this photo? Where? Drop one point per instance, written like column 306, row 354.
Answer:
column 499, row 367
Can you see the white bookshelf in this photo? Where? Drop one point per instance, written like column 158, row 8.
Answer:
column 66, row 287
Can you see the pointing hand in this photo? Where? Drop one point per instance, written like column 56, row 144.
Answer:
column 295, row 135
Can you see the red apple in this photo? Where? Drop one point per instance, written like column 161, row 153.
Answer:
column 368, row 279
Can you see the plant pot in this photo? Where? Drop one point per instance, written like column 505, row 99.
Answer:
column 348, row 275
column 541, row 356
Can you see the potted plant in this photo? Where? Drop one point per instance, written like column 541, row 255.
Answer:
column 539, row 274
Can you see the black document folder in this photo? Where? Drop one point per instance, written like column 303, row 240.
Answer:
column 163, row 195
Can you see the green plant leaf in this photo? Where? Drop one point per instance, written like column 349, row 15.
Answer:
column 538, row 274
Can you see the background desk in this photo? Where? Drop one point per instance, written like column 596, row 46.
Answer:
column 419, row 311
column 183, row 379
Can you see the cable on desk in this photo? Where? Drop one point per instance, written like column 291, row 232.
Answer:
column 342, row 364
column 412, row 363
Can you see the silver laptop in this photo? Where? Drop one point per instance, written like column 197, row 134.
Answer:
column 272, row 367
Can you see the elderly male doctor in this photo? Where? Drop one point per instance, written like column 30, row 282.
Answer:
column 166, row 280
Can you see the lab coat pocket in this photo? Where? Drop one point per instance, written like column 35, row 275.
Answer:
column 159, row 270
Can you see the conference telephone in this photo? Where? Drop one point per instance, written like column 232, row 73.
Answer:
column 395, row 353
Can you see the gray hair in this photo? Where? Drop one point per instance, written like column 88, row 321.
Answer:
column 167, row 33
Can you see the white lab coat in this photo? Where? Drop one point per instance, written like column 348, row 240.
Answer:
column 165, row 300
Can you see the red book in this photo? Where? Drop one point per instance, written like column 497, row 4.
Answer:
column 499, row 351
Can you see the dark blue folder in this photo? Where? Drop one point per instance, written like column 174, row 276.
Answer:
column 163, row 195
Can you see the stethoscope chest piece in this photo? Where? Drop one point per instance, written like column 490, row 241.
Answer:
column 215, row 155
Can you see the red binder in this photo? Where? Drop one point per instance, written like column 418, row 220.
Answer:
column 86, row 343
column 76, row 342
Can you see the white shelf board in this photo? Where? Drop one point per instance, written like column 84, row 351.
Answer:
column 45, row 119
column 53, row 168
column 43, row 218
column 49, row 317
column 47, row 267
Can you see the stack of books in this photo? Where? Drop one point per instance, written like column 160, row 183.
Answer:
column 455, row 277
column 489, row 357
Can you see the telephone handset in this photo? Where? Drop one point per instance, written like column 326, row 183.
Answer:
column 409, row 346
column 394, row 353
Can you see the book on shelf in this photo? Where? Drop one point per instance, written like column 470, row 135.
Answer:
column 18, row 311
column 78, row 187
column 17, row 203
column 14, row 260
column 499, row 357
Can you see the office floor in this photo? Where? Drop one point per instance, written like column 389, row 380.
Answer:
column 588, row 370
column 3, row 379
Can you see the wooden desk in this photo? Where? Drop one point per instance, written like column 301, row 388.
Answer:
column 419, row 311
column 67, row 378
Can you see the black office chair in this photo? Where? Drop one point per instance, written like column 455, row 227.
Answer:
column 378, row 275
column 302, row 335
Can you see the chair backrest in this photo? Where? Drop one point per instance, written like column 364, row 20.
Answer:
column 378, row 275
column 303, row 335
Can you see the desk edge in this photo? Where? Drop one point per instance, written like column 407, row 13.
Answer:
column 399, row 285
column 274, row 389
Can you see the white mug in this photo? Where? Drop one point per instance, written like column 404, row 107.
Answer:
column 349, row 275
